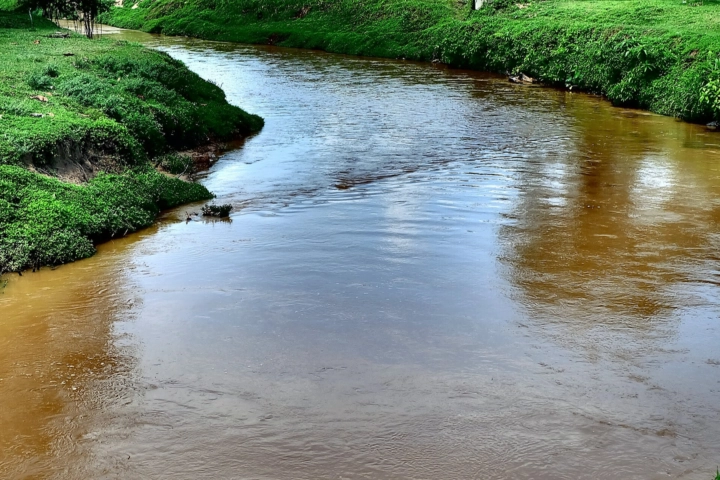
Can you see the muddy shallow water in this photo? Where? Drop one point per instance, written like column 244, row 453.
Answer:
column 429, row 274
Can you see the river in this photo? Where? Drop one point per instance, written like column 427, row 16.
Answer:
column 429, row 273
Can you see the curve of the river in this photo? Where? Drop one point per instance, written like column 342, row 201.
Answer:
column 429, row 274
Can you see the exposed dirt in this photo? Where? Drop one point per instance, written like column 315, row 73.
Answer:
column 74, row 163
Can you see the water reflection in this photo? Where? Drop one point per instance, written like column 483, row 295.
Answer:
column 60, row 360
column 609, row 233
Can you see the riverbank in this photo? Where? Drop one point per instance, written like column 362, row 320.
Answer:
column 513, row 275
column 82, row 125
column 660, row 55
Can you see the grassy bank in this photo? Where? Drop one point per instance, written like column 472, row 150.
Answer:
column 660, row 55
column 45, row 221
column 99, row 113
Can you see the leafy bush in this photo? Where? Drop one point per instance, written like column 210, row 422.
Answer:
column 216, row 210
column 175, row 163
column 51, row 70
column 40, row 81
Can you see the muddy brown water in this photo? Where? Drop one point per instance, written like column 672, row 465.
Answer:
column 429, row 274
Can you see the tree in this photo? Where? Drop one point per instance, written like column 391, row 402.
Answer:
column 84, row 11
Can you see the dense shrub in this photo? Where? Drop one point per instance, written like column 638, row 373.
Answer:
column 175, row 163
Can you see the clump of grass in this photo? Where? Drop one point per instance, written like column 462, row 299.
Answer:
column 216, row 210
column 38, row 81
column 176, row 163
column 717, row 474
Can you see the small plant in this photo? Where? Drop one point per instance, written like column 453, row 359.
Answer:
column 51, row 70
column 216, row 210
column 176, row 163
column 43, row 79
column 40, row 81
column 717, row 474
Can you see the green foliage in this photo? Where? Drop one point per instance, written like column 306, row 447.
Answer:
column 710, row 92
column 152, row 103
column 44, row 221
column 7, row 6
column 217, row 210
column 717, row 474
column 655, row 54
column 69, row 97
column 175, row 163
column 43, row 79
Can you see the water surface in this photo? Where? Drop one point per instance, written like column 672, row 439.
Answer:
column 430, row 273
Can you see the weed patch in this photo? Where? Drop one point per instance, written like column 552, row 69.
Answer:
column 217, row 210
column 175, row 164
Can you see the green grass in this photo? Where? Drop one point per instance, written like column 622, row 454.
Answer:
column 117, row 105
column 44, row 221
column 176, row 164
column 660, row 55
column 120, row 98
